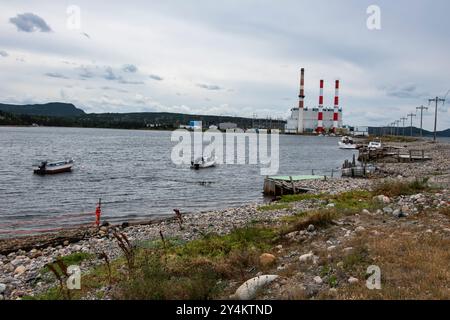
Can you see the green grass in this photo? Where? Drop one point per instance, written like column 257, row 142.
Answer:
column 214, row 245
column 71, row 259
column 195, row 270
column 51, row 294
column 353, row 201
column 332, row 281
column 300, row 197
column 274, row 206
column 358, row 257
column 395, row 188
column 318, row 218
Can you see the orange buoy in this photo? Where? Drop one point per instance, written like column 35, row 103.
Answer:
column 98, row 212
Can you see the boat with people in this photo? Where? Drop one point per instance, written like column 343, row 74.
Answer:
column 46, row 167
column 347, row 143
column 202, row 163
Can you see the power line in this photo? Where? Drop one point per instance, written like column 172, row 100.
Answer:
column 421, row 108
column 411, row 115
column 403, row 119
column 436, row 100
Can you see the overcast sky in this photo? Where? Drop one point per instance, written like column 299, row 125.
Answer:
column 227, row 57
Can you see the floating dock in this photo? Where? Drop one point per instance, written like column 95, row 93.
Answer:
column 282, row 185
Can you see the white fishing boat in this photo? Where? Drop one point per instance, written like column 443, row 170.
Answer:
column 46, row 167
column 347, row 143
column 375, row 145
column 202, row 163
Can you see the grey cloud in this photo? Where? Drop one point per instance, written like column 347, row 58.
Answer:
column 86, row 73
column 86, row 35
column 29, row 22
column 155, row 77
column 3, row 53
column 123, row 81
column 56, row 75
column 109, row 75
column 114, row 89
column 209, row 86
column 129, row 68
column 405, row 92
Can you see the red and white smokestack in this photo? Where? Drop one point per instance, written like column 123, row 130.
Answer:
column 302, row 89
column 336, row 108
column 320, row 113
column 301, row 101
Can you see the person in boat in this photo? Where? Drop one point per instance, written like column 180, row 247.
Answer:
column 42, row 166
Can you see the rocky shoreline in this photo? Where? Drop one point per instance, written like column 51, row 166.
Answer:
column 22, row 260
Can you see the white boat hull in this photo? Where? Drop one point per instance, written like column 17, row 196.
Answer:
column 54, row 168
column 347, row 146
column 203, row 165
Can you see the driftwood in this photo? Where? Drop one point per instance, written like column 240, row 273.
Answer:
column 27, row 243
column 74, row 235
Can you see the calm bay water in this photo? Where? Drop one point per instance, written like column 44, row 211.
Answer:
column 133, row 174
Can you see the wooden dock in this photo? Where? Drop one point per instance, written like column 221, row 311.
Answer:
column 283, row 185
column 398, row 154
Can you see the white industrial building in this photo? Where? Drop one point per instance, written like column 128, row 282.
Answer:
column 310, row 119
column 318, row 119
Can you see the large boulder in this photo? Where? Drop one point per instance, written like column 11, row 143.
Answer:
column 267, row 259
column 249, row 288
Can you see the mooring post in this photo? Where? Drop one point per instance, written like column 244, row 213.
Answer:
column 293, row 185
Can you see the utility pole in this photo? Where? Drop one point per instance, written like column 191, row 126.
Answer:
column 421, row 108
column 403, row 119
column 411, row 115
column 397, row 130
column 436, row 100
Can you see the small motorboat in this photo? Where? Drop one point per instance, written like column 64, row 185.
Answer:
column 202, row 163
column 347, row 143
column 46, row 167
column 375, row 145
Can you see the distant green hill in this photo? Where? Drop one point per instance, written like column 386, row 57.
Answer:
column 53, row 109
column 62, row 114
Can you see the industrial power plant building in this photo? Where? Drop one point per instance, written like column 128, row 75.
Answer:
column 317, row 119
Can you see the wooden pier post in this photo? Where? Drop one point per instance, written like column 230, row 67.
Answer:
column 293, row 185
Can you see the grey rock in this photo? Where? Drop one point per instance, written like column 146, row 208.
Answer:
column 388, row 210
column 399, row 213
column 20, row 270
column 318, row 280
column 352, row 280
column 249, row 289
